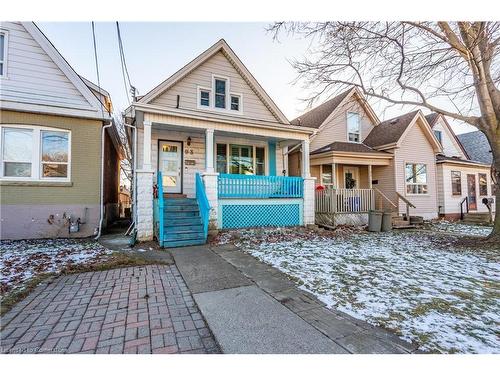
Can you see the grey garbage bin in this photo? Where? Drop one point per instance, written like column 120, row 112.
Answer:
column 374, row 221
column 387, row 222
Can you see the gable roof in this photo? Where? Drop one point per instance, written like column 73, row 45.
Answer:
column 433, row 118
column 47, row 46
column 316, row 116
column 220, row 46
column 319, row 115
column 390, row 131
column 477, row 146
column 348, row 147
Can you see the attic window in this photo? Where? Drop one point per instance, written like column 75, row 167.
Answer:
column 439, row 136
column 3, row 54
column 235, row 102
column 205, row 98
column 220, row 93
column 353, row 127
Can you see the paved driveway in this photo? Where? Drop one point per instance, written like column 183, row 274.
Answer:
column 130, row 310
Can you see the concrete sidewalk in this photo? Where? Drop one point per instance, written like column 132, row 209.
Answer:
column 254, row 308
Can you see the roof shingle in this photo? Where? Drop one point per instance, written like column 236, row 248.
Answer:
column 316, row 116
column 388, row 132
column 477, row 146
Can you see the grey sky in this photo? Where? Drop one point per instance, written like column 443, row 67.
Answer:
column 154, row 51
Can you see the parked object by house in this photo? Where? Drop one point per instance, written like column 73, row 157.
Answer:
column 362, row 163
column 215, row 145
column 51, row 122
column 463, row 182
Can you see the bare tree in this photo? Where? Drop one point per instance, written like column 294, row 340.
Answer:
column 451, row 68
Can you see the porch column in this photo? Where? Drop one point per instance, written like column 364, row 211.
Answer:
column 306, row 172
column 370, row 176
column 144, row 186
column 309, row 186
column 209, row 151
column 334, row 174
column 210, row 179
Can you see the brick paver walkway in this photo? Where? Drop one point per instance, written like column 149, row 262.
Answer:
column 130, row 310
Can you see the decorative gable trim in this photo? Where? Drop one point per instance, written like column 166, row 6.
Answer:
column 58, row 59
column 223, row 47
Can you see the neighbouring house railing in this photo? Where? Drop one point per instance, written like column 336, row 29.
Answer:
column 384, row 197
column 201, row 198
column 249, row 186
column 331, row 200
column 466, row 201
column 408, row 205
column 158, row 209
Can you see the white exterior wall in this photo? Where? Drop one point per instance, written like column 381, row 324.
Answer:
column 449, row 143
column 144, row 205
column 309, row 196
column 32, row 77
column 416, row 148
column 450, row 204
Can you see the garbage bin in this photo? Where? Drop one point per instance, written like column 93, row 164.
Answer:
column 374, row 221
column 387, row 222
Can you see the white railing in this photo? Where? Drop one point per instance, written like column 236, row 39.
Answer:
column 331, row 200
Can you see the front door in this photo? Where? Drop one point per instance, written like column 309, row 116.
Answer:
column 351, row 177
column 471, row 191
column 170, row 165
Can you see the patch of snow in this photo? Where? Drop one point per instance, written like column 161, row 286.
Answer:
column 444, row 300
column 23, row 260
column 461, row 228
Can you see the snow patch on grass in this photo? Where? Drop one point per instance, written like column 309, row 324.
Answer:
column 20, row 261
column 461, row 228
column 410, row 282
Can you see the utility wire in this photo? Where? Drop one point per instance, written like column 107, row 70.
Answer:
column 97, row 69
column 126, row 76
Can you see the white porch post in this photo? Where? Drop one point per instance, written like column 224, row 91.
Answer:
column 144, row 186
column 309, row 186
column 210, row 179
column 334, row 174
column 369, row 176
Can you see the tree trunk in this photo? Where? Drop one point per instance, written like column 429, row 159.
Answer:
column 495, row 150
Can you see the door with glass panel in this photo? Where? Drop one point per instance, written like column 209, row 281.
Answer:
column 170, row 165
column 471, row 192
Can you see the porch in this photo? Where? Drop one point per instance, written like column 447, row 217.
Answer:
column 205, row 179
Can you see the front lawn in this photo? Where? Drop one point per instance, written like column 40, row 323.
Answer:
column 425, row 286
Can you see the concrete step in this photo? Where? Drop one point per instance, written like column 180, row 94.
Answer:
column 180, row 243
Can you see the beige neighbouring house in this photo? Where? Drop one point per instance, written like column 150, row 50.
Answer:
column 362, row 163
column 463, row 184
column 212, row 153
column 51, row 122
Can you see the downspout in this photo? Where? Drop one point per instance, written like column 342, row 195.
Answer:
column 134, row 178
column 101, row 215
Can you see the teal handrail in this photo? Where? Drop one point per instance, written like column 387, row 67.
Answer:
column 201, row 198
column 159, row 183
column 250, row 186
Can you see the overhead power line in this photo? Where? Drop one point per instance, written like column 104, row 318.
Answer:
column 97, row 68
column 126, row 76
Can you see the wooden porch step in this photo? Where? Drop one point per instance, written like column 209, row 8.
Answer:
column 173, row 195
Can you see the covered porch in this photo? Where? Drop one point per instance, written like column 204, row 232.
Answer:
column 238, row 172
column 348, row 184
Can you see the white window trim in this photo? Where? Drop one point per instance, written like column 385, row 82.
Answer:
column 4, row 74
column 347, row 126
column 240, row 104
column 198, row 97
column 238, row 143
column 426, row 175
column 36, row 161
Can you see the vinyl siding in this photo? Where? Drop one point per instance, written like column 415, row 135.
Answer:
column 415, row 148
column 449, row 143
column 384, row 175
column 187, row 88
column 451, row 203
column 85, row 163
column 335, row 130
column 32, row 76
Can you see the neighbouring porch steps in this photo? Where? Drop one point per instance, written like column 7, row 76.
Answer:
column 182, row 225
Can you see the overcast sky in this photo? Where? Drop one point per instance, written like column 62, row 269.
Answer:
column 154, row 51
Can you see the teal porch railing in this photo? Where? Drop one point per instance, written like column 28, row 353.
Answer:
column 158, row 206
column 204, row 206
column 250, row 186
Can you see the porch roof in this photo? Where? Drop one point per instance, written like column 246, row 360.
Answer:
column 349, row 147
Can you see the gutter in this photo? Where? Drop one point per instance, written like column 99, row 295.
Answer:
column 101, row 187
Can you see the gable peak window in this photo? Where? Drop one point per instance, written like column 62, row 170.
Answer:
column 235, row 102
column 220, row 93
column 439, row 136
column 205, row 98
column 3, row 53
column 353, row 127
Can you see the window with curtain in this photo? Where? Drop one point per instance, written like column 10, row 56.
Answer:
column 456, row 183
column 242, row 159
column 416, row 178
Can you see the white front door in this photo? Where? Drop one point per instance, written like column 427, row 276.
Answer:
column 351, row 177
column 170, row 165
